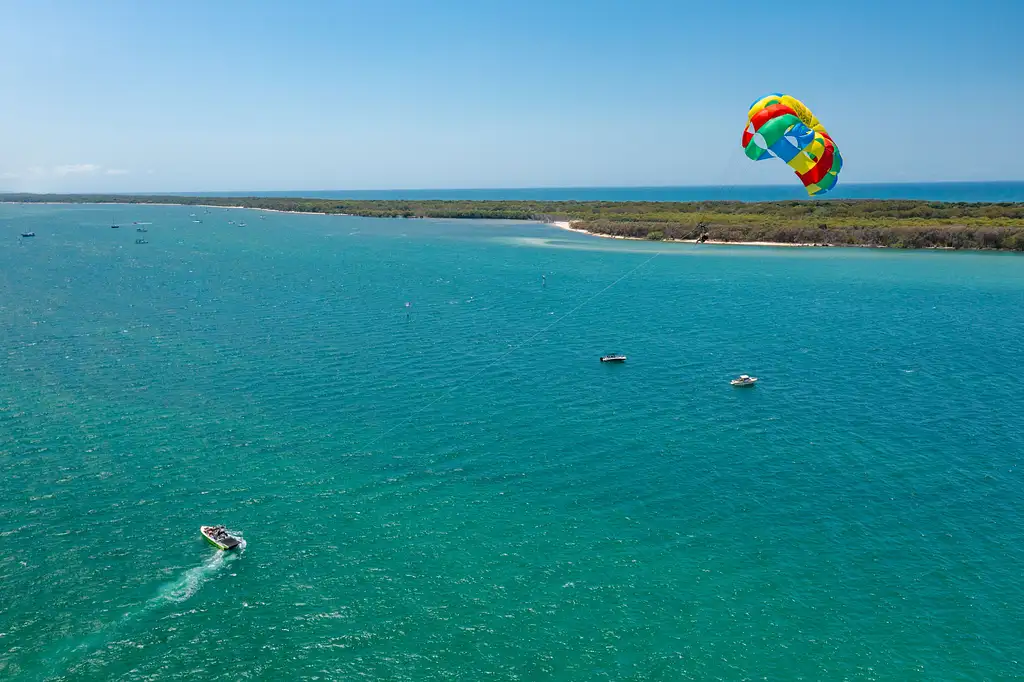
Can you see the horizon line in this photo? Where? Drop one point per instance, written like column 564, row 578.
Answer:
column 241, row 192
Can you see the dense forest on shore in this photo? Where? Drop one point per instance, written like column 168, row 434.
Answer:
column 840, row 222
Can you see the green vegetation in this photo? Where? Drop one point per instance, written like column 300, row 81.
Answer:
column 899, row 224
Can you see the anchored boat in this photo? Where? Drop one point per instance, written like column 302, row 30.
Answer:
column 744, row 380
column 613, row 358
column 219, row 537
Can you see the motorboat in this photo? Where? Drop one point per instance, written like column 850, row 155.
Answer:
column 141, row 241
column 613, row 358
column 219, row 537
column 744, row 380
column 141, row 229
column 28, row 234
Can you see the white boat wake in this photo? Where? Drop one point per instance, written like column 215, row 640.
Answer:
column 194, row 578
column 184, row 587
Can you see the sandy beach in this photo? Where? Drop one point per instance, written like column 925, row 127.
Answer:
column 568, row 225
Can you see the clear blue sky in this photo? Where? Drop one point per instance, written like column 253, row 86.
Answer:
column 261, row 95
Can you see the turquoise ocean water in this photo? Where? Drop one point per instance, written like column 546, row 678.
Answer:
column 459, row 490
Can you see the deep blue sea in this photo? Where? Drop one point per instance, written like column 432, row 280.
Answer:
column 935, row 191
column 458, row 489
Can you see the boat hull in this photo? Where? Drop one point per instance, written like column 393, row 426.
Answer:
column 214, row 542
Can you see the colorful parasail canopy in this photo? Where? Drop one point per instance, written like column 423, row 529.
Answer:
column 781, row 126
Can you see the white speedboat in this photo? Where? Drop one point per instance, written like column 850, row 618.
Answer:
column 219, row 537
column 744, row 380
column 613, row 358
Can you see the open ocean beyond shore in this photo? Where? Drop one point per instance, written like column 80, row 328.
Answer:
column 927, row 191
column 459, row 490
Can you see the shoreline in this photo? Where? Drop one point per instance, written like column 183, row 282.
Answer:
column 568, row 225
column 562, row 224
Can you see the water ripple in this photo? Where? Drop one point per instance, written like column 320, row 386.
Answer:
column 422, row 503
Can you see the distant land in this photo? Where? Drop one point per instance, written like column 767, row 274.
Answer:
column 910, row 224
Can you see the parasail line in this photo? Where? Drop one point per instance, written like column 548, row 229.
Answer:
column 504, row 355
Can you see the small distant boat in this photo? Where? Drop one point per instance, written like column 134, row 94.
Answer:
column 141, row 229
column 231, row 222
column 197, row 221
column 141, row 241
column 191, row 215
column 613, row 358
column 113, row 225
column 241, row 224
column 744, row 380
column 219, row 537
column 28, row 234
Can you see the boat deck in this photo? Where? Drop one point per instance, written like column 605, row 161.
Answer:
column 220, row 537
